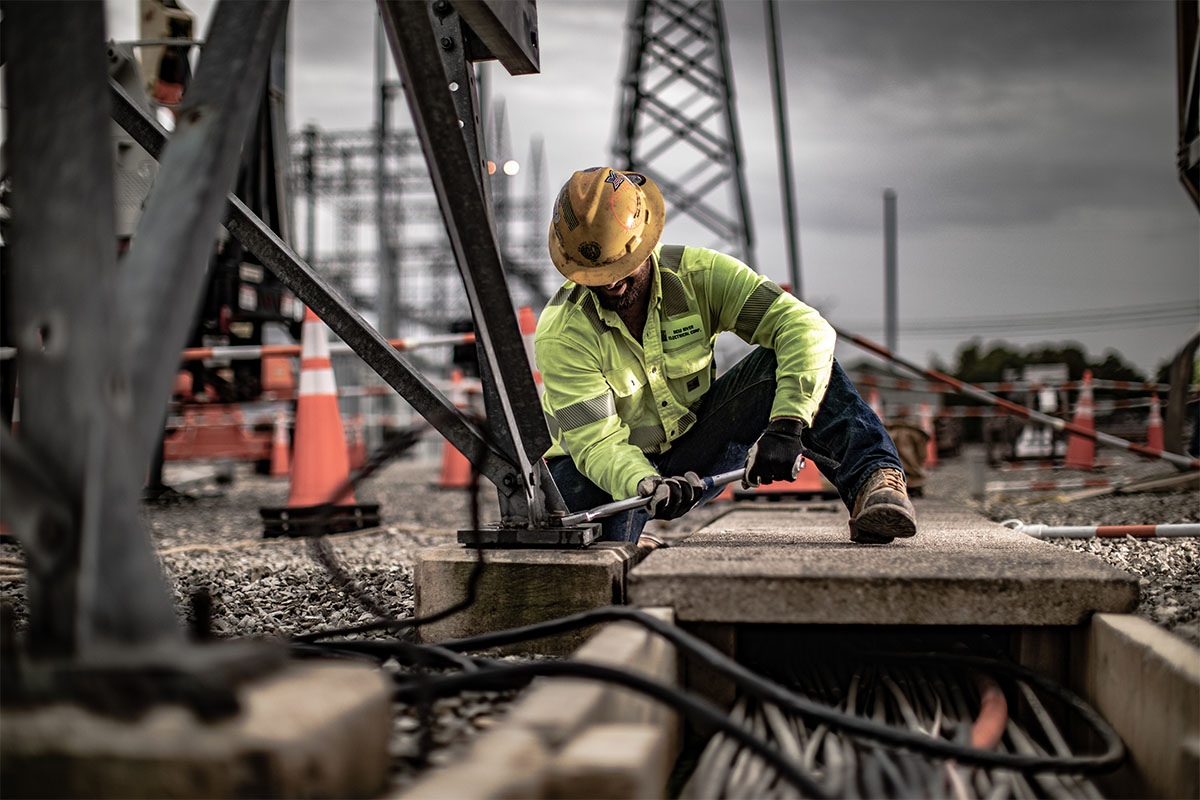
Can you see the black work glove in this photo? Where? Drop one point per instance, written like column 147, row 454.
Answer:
column 776, row 456
column 671, row 497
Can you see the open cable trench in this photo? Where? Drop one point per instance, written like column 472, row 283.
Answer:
column 933, row 700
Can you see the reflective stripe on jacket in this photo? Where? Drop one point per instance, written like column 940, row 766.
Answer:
column 610, row 400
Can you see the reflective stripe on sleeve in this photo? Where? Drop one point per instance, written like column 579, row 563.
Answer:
column 754, row 308
column 585, row 412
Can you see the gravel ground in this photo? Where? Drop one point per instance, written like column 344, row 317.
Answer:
column 212, row 542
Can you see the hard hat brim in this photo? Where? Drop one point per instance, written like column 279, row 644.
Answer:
column 603, row 275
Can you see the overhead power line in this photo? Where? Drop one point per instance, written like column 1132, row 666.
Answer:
column 1151, row 315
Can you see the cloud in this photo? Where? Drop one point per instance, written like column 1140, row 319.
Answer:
column 993, row 113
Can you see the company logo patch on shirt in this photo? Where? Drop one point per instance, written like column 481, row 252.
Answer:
column 693, row 383
column 677, row 333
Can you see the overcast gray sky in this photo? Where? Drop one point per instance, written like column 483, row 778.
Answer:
column 1031, row 146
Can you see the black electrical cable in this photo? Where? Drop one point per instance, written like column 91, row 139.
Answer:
column 424, row 686
column 765, row 689
column 326, row 558
column 1109, row 759
column 699, row 710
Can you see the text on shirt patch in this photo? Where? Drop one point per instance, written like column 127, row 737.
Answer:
column 674, row 330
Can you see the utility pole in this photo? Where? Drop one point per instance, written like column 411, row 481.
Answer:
column 889, row 269
column 310, row 194
column 386, row 304
column 791, row 232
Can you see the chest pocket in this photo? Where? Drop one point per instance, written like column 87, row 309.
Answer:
column 690, row 372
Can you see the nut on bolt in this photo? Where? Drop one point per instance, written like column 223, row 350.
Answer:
column 447, row 43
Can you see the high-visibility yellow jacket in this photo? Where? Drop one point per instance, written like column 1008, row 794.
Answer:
column 610, row 400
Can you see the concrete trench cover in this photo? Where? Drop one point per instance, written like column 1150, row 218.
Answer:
column 796, row 564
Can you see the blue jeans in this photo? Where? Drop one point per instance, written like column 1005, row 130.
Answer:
column 731, row 417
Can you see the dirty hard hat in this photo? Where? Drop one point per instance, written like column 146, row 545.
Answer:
column 605, row 224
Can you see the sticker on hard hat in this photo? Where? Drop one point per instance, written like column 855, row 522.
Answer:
column 590, row 250
column 563, row 206
column 615, row 178
column 633, row 177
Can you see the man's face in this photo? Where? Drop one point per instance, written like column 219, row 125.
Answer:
column 625, row 293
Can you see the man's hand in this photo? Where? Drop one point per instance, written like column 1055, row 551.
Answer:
column 671, row 497
column 777, row 455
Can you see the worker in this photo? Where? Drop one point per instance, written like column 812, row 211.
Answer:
column 632, row 396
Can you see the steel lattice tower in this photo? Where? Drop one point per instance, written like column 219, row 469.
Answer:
column 678, row 122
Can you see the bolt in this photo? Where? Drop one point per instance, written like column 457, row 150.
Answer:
column 447, row 43
column 509, row 480
column 441, row 7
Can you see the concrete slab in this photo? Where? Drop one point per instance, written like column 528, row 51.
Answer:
column 559, row 708
column 311, row 730
column 777, row 564
column 519, row 587
column 617, row 761
column 1146, row 683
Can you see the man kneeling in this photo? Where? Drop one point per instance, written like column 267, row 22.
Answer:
column 625, row 350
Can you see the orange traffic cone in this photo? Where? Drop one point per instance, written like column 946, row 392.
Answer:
column 321, row 462
column 456, row 469
column 931, row 454
column 280, row 447
column 528, row 328
column 1154, row 431
column 320, row 499
column 1081, row 451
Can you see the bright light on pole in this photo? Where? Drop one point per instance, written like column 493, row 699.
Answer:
column 511, row 167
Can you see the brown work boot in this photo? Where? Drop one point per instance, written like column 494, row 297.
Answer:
column 882, row 510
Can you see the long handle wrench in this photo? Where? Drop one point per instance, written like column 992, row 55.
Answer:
column 617, row 507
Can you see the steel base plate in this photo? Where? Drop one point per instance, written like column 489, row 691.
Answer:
column 575, row 536
column 318, row 520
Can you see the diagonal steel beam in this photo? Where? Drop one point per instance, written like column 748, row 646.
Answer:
column 308, row 285
column 429, row 50
column 165, row 271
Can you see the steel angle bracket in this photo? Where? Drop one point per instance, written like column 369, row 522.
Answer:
column 433, row 47
column 565, row 537
column 507, row 28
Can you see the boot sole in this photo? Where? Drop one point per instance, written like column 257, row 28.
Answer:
column 880, row 524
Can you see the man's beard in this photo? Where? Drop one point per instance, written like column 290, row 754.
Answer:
column 626, row 300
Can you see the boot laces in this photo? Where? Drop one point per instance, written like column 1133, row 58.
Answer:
column 891, row 479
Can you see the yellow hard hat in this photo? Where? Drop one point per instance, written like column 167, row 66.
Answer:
column 605, row 224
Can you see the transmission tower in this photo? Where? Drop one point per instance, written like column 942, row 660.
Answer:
column 678, row 122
